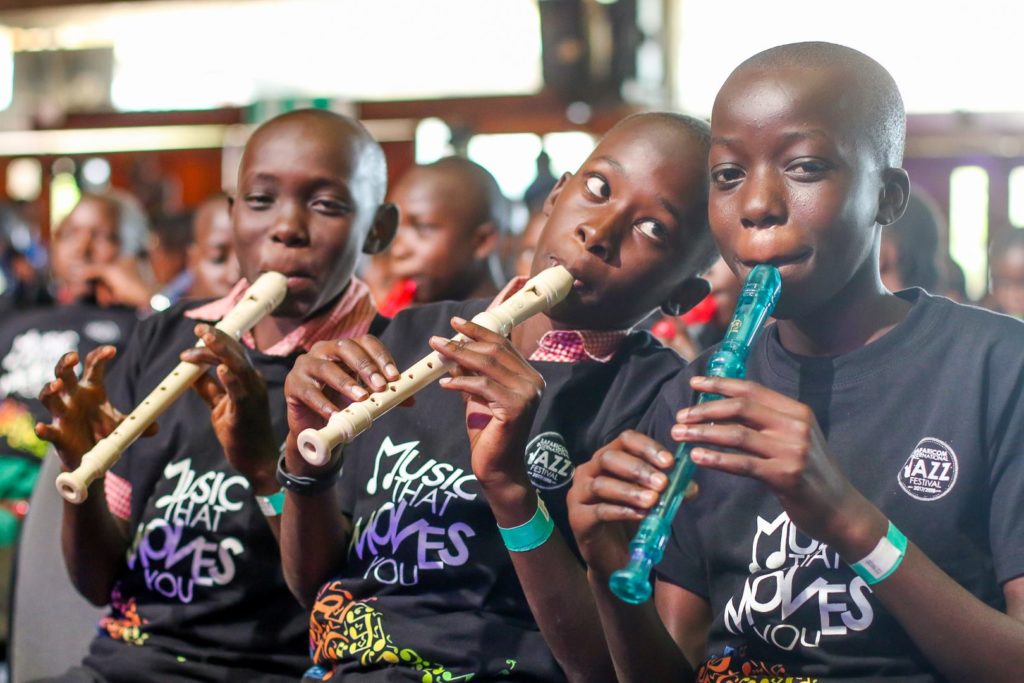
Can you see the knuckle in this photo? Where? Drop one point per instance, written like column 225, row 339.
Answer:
column 803, row 431
column 789, row 477
column 737, row 436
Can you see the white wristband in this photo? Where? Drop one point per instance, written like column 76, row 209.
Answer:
column 884, row 559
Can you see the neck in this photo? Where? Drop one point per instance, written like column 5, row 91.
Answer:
column 526, row 336
column 271, row 330
column 859, row 314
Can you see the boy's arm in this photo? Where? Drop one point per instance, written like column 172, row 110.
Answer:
column 239, row 409
column 502, row 391
column 651, row 642
column 776, row 440
column 93, row 540
column 314, row 531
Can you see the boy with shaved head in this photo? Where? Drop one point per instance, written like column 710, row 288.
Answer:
column 858, row 515
column 174, row 538
column 451, row 216
column 405, row 565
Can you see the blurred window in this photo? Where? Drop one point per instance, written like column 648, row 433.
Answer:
column 946, row 57
column 968, row 226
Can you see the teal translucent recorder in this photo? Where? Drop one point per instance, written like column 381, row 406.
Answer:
column 757, row 301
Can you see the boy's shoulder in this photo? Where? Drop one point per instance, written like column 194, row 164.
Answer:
column 430, row 316
column 642, row 350
column 972, row 325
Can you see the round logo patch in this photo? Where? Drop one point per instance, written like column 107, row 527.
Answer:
column 931, row 470
column 547, row 461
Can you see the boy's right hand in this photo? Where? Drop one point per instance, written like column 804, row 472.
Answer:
column 332, row 372
column 611, row 494
column 82, row 414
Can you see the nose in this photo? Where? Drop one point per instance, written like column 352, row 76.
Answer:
column 600, row 234
column 290, row 227
column 763, row 202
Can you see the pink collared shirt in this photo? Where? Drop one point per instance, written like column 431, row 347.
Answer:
column 569, row 346
column 350, row 317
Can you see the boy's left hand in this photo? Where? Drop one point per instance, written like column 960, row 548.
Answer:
column 776, row 440
column 502, row 391
column 239, row 405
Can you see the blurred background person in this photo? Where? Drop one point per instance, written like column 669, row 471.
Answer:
column 212, row 263
column 23, row 262
column 909, row 254
column 451, row 216
column 95, row 235
column 1006, row 280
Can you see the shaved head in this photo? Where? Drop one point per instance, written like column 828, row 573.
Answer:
column 860, row 82
column 480, row 188
column 370, row 173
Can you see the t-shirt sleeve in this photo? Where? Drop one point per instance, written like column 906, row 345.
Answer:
column 1006, row 480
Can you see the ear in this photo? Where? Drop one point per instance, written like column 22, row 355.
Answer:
column 685, row 296
column 895, row 193
column 485, row 240
column 385, row 223
column 549, row 203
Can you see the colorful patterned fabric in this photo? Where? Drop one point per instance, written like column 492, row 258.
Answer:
column 572, row 346
column 568, row 346
column 118, row 491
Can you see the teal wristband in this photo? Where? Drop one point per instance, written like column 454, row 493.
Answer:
column 532, row 534
column 272, row 505
column 884, row 559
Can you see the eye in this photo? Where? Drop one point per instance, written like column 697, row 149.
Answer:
column 725, row 177
column 652, row 229
column 422, row 228
column 598, row 186
column 258, row 200
column 808, row 169
column 330, row 206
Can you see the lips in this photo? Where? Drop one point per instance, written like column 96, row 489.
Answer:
column 296, row 278
column 784, row 262
column 579, row 279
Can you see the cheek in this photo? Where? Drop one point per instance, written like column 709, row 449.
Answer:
column 106, row 252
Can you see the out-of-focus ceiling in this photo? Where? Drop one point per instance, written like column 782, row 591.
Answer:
column 39, row 4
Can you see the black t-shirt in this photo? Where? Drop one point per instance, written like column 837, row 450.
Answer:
column 429, row 591
column 201, row 594
column 31, row 343
column 928, row 423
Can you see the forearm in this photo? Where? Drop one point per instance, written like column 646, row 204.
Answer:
column 642, row 649
column 313, row 536
column 94, row 544
column 957, row 633
column 556, row 589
